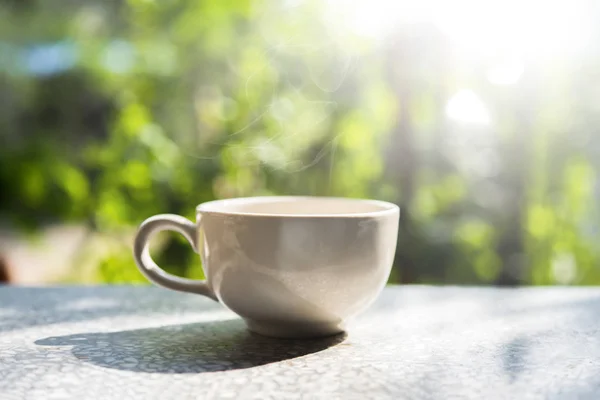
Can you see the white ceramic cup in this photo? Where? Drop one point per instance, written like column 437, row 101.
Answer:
column 289, row 266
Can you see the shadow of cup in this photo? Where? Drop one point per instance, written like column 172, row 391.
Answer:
column 190, row 348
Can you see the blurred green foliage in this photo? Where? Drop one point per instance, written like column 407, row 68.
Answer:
column 115, row 111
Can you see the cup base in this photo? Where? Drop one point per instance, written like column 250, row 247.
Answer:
column 294, row 331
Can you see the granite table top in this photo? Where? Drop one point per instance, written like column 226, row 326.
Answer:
column 415, row 342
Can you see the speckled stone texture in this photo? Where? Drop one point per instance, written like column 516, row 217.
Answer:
column 125, row 342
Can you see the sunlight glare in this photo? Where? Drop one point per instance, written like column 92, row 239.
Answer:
column 465, row 106
column 533, row 28
column 506, row 73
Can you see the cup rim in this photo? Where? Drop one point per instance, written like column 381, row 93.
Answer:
column 215, row 207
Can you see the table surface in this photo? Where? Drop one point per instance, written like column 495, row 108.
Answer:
column 415, row 342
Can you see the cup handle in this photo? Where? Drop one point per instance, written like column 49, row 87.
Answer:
column 147, row 266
